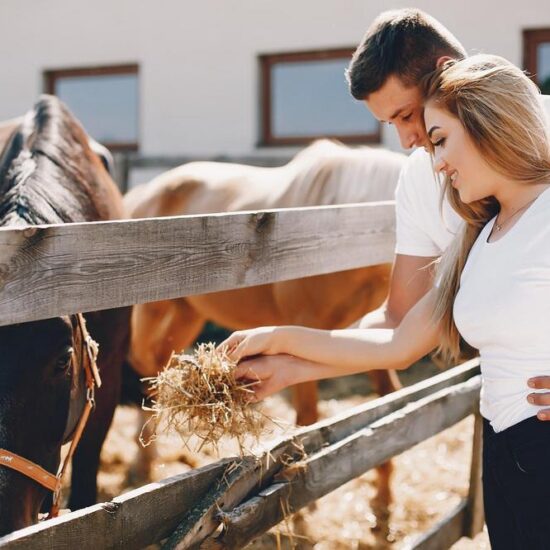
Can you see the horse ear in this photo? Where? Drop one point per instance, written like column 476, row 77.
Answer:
column 104, row 155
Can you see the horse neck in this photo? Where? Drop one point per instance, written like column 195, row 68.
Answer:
column 343, row 176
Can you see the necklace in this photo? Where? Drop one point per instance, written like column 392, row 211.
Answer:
column 498, row 226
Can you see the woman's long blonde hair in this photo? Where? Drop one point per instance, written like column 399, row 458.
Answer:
column 499, row 107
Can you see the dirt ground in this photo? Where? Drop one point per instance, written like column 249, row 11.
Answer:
column 429, row 479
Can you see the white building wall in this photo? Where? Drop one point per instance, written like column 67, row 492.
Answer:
column 199, row 78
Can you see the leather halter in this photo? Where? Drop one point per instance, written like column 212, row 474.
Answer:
column 88, row 359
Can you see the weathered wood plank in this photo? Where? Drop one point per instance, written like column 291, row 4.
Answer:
column 152, row 512
column 444, row 533
column 133, row 520
column 336, row 464
column 475, row 516
column 56, row 270
column 341, row 425
column 251, row 477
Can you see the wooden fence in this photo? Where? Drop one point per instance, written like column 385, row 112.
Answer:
column 54, row 270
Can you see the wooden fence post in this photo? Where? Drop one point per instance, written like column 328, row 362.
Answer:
column 474, row 518
column 122, row 170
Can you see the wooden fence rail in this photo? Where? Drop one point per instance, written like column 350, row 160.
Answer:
column 57, row 270
column 188, row 508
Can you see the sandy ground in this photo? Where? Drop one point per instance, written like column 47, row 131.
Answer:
column 429, row 481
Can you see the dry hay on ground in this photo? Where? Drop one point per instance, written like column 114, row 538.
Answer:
column 429, row 481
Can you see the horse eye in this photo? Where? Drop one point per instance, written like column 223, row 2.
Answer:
column 64, row 359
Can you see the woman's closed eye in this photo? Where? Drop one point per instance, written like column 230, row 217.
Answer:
column 440, row 142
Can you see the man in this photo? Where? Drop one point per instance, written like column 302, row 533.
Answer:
column 398, row 50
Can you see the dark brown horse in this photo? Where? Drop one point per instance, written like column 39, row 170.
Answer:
column 50, row 174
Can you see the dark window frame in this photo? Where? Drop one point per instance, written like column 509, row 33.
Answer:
column 531, row 40
column 52, row 75
column 267, row 61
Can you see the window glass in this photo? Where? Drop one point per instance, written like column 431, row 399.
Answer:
column 305, row 96
column 105, row 100
column 543, row 67
column 312, row 98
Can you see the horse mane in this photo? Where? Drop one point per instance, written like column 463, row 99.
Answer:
column 48, row 173
column 329, row 172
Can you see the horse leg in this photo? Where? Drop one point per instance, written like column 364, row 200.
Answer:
column 384, row 382
column 158, row 329
column 140, row 470
column 304, row 399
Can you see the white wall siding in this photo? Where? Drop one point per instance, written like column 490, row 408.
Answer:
column 199, row 75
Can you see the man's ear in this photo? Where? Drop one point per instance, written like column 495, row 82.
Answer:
column 443, row 59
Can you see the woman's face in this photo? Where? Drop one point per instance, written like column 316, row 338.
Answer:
column 456, row 156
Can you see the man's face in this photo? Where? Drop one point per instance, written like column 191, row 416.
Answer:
column 401, row 106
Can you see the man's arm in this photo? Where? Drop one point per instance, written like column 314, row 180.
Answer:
column 411, row 278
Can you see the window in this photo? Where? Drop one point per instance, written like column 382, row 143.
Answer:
column 536, row 56
column 104, row 99
column 305, row 96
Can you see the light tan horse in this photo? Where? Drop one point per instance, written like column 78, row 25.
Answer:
column 324, row 173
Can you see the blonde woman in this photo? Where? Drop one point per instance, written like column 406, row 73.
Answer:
column 490, row 141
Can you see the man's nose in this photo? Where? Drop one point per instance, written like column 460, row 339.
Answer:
column 408, row 140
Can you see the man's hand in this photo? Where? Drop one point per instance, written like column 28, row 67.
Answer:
column 268, row 374
column 541, row 399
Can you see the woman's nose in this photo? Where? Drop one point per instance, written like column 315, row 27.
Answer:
column 439, row 163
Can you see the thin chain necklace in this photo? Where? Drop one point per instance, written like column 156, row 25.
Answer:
column 498, row 226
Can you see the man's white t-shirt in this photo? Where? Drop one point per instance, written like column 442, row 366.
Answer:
column 424, row 225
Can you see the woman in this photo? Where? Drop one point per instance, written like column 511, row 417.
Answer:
column 491, row 144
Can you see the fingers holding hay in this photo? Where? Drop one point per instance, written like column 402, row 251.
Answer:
column 199, row 395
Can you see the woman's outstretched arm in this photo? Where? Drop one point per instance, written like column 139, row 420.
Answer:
column 328, row 353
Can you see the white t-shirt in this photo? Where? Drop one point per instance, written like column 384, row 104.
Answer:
column 424, row 227
column 503, row 309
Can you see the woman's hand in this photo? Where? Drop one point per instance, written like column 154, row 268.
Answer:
column 246, row 343
column 269, row 374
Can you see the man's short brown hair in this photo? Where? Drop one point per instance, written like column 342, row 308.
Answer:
column 406, row 43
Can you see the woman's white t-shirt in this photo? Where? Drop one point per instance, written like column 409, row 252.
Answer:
column 503, row 309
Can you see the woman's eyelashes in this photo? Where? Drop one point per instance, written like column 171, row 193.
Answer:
column 439, row 142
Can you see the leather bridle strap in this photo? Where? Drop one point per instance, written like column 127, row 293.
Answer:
column 28, row 468
column 88, row 358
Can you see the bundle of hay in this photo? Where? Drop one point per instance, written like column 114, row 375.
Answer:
column 198, row 395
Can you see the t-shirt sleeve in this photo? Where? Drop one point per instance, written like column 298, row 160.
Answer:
column 412, row 239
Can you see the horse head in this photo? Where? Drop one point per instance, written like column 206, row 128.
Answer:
column 48, row 174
